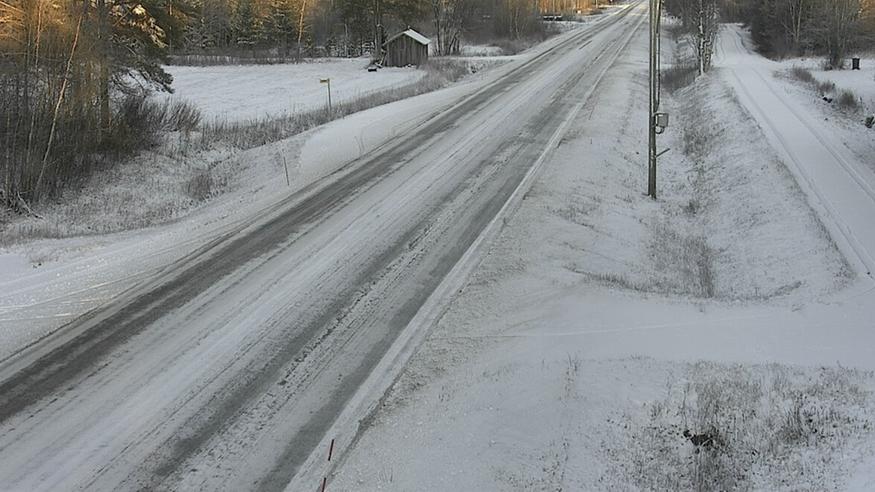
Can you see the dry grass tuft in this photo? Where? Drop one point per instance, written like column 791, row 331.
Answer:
column 739, row 428
column 803, row 75
column 848, row 101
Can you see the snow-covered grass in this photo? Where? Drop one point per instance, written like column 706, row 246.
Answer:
column 731, row 220
column 507, row 419
column 735, row 427
column 745, row 202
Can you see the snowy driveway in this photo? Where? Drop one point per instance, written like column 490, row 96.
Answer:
column 226, row 372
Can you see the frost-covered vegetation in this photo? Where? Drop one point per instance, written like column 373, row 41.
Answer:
column 734, row 427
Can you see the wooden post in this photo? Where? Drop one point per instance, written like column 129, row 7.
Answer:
column 328, row 82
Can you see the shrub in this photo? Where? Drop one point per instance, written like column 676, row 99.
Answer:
column 182, row 116
column 140, row 122
column 826, row 87
column 847, row 100
column 803, row 74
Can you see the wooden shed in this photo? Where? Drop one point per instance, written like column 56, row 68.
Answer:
column 406, row 48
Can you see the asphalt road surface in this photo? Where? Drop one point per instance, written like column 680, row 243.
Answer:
column 228, row 370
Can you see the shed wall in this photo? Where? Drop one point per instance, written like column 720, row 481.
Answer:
column 405, row 51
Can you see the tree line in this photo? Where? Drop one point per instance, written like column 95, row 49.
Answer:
column 832, row 28
column 355, row 27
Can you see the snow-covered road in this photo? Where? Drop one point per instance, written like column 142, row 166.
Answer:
column 226, row 371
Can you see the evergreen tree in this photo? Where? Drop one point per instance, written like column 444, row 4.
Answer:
column 279, row 28
column 247, row 24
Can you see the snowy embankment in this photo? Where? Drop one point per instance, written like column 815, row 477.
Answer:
column 252, row 92
column 602, row 326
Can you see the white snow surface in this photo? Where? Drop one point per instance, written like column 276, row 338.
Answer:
column 249, row 92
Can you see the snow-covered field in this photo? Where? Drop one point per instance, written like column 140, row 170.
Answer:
column 249, row 92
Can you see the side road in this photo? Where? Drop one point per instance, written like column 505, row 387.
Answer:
column 840, row 188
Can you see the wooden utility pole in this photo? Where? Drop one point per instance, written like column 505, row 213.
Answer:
column 655, row 14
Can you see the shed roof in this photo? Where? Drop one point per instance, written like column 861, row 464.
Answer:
column 419, row 38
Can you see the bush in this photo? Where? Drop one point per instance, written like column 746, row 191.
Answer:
column 827, row 87
column 182, row 117
column 847, row 100
column 803, row 74
column 140, row 122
